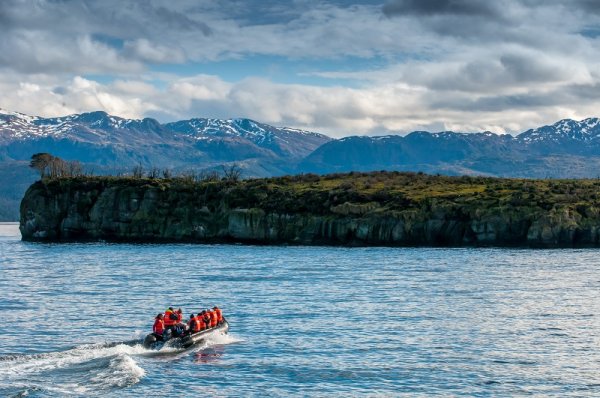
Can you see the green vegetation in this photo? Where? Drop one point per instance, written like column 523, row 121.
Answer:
column 377, row 208
column 391, row 191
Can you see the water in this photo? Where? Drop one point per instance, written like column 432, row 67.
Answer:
column 304, row 320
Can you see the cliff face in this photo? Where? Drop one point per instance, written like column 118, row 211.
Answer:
column 159, row 211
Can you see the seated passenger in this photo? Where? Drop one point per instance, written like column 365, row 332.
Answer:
column 180, row 325
column 194, row 324
column 190, row 322
column 219, row 314
column 159, row 327
column 206, row 319
column 170, row 318
column 200, row 320
column 213, row 318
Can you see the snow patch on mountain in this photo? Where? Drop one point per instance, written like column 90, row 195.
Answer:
column 567, row 129
column 258, row 133
column 240, row 136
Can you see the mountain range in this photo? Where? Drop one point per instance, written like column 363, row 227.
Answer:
column 110, row 144
column 566, row 149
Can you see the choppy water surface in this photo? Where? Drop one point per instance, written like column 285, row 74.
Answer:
column 304, row 320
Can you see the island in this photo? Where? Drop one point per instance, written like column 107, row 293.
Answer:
column 351, row 209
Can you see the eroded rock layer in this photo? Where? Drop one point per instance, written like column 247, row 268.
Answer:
column 388, row 209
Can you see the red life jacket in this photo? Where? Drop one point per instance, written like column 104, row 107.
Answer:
column 196, row 325
column 213, row 319
column 219, row 315
column 206, row 319
column 158, row 327
column 200, row 321
column 179, row 316
column 168, row 320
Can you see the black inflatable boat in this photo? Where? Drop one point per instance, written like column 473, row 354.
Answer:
column 188, row 340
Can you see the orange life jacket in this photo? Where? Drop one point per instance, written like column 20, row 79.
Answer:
column 195, row 325
column 179, row 316
column 200, row 321
column 158, row 327
column 168, row 320
column 206, row 319
column 219, row 315
column 213, row 319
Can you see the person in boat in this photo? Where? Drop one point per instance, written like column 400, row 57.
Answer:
column 213, row 318
column 206, row 319
column 170, row 319
column 219, row 313
column 199, row 318
column 159, row 327
column 209, row 314
column 194, row 324
column 180, row 325
column 189, row 325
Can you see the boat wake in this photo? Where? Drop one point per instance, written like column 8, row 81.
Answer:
column 89, row 369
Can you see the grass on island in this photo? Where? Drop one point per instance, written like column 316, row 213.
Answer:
column 377, row 191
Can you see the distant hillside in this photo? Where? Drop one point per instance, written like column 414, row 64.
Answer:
column 112, row 142
column 566, row 149
column 378, row 208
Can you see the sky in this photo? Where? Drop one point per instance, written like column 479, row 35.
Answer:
column 337, row 67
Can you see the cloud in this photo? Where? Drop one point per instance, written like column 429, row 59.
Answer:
column 335, row 110
column 438, row 7
column 144, row 50
column 585, row 5
column 177, row 20
column 367, row 67
column 132, row 34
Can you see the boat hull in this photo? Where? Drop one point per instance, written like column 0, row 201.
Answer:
column 187, row 341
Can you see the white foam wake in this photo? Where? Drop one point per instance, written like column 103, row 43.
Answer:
column 222, row 339
column 21, row 365
column 91, row 368
column 122, row 371
column 109, row 366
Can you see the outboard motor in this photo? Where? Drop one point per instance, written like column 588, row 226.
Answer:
column 149, row 340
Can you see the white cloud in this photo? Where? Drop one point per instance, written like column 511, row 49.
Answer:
column 510, row 65
column 135, row 88
column 337, row 111
column 147, row 51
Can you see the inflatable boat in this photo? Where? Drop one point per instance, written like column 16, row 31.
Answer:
column 186, row 341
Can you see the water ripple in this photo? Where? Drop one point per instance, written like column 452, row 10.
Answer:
column 305, row 320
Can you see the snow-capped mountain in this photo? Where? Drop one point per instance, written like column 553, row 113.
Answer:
column 93, row 127
column 568, row 148
column 193, row 139
column 567, row 129
column 283, row 141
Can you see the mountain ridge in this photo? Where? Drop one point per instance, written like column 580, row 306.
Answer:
column 531, row 154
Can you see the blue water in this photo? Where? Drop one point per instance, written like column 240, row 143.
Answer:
column 307, row 321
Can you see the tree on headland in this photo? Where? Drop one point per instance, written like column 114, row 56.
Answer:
column 52, row 166
column 41, row 162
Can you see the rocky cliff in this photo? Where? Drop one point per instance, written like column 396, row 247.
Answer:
column 390, row 209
